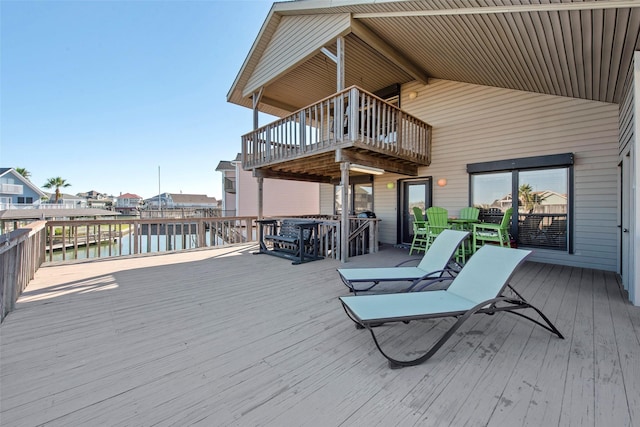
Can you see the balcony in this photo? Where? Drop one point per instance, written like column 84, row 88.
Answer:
column 352, row 125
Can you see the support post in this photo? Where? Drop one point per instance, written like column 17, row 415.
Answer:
column 256, row 124
column 260, row 196
column 340, row 64
column 344, row 235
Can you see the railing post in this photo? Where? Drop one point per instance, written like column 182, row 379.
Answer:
column 354, row 104
column 136, row 245
column 201, row 232
column 339, row 117
column 302, row 134
column 399, row 133
column 248, row 225
column 267, row 142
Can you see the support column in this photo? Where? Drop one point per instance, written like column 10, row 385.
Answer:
column 260, row 196
column 340, row 63
column 256, row 125
column 346, row 208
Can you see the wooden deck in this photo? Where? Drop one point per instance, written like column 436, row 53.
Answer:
column 222, row 337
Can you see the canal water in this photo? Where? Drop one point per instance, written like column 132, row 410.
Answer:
column 160, row 243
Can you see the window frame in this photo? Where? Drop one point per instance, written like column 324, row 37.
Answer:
column 353, row 181
column 517, row 165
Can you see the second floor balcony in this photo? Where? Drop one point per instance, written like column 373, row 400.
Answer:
column 350, row 126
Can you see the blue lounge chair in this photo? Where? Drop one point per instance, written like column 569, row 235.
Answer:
column 432, row 266
column 478, row 288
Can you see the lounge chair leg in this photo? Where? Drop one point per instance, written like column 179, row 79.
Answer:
column 397, row 364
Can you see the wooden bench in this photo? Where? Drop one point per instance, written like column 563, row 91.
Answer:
column 294, row 239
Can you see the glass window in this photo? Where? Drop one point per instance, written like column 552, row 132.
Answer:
column 360, row 197
column 491, row 192
column 542, row 214
column 543, row 208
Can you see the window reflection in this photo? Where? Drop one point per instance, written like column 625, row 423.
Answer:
column 360, row 196
column 543, row 207
column 542, row 203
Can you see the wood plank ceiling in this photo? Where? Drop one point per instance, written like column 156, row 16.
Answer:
column 566, row 48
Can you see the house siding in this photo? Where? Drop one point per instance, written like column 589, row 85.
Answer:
column 385, row 206
column 326, row 199
column 280, row 197
column 473, row 123
column 310, row 32
column 627, row 119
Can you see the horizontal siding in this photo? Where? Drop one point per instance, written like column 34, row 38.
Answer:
column 385, row 206
column 326, row 199
column 280, row 197
column 474, row 123
column 296, row 39
column 627, row 118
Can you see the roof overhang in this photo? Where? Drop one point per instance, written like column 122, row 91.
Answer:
column 569, row 48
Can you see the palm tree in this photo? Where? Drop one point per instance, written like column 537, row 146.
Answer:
column 530, row 199
column 22, row 171
column 58, row 183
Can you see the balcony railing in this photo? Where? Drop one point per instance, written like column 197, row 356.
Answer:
column 351, row 118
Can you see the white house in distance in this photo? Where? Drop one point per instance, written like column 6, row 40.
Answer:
column 281, row 197
column 179, row 200
column 454, row 104
column 128, row 203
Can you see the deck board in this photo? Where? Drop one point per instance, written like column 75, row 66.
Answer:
column 225, row 337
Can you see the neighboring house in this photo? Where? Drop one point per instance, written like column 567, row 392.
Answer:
column 96, row 199
column 66, row 201
column 281, row 197
column 475, row 99
column 93, row 194
column 128, row 203
column 178, row 201
column 228, row 201
column 16, row 191
column 550, row 202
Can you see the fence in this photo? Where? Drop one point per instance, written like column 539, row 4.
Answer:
column 24, row 250
column 21, row 254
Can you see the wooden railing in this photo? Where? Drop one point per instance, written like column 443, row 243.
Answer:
column 105, row 238
column 82, row 239
column 348, row 118
column 21, row 254
column 363, row 236
column 23, row 251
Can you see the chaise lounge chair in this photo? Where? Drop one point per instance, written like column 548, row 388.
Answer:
column 478, row 288
column 433, row 266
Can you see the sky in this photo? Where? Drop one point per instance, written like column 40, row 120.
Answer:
column 124, row 96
